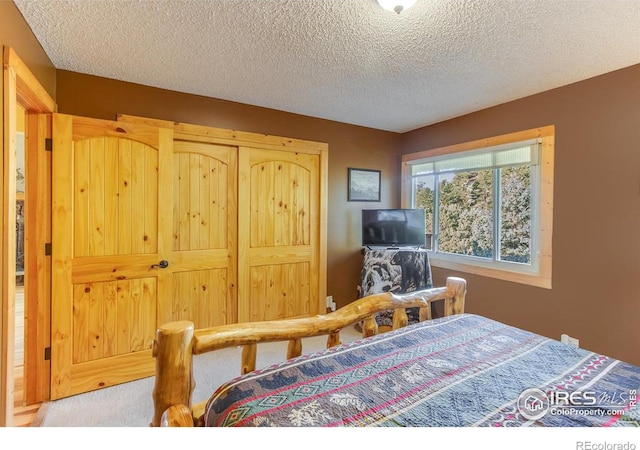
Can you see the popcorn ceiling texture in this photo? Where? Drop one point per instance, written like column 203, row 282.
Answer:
column 344, row 60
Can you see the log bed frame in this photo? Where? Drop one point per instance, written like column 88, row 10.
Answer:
column 177, row 342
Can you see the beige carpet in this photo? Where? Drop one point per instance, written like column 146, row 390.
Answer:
column 131, row 405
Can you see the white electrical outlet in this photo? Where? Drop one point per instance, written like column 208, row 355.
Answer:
column 574, row 342
column 566, row 339
column 330, row 303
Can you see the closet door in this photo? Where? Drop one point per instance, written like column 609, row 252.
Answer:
column 111, row 228
column 275, row 227
column 203, row 260
column 278, row 234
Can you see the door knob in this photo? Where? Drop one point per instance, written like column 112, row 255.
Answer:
column 162, row 264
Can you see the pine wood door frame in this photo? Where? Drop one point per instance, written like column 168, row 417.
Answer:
column 37, row 280
column 19, row 87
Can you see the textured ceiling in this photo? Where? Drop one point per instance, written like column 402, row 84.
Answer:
column 343, row 60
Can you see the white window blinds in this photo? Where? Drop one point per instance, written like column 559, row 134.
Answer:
column 521, row 153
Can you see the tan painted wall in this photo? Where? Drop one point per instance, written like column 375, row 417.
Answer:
column 596, row 229
column 15, row 33
column 595, row 295
column 349, row 146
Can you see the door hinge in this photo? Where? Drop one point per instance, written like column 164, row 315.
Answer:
column 47, row 249
column 47, row 354
column 48, row 144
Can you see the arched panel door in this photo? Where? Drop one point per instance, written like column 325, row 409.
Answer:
column 204, row 249
column 111, row 228
column 279, row 234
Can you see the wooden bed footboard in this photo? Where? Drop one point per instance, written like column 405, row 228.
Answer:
column 177, row 342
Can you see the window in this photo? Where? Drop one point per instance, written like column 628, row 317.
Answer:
column 488, row 205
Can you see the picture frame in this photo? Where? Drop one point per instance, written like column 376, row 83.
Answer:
column 363, row 185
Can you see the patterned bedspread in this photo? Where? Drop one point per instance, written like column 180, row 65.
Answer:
column 457, row 371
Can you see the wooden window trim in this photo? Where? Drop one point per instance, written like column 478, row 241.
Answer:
column 543, row 277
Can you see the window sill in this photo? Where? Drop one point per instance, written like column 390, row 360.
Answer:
column 532, row 279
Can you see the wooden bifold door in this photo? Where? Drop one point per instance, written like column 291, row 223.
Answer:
column 203, row 251
column 155, row 221
column 278, row 234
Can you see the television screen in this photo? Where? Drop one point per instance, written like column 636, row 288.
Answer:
column 393, row 227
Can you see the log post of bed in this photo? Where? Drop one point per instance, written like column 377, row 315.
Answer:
column 174, row 383
column 455, row 304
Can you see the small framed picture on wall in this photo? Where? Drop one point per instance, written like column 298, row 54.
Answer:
column 364, row 185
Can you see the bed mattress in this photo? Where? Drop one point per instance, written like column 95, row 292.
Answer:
column 457, row 371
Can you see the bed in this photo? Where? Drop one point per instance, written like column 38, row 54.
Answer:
column 458, row 370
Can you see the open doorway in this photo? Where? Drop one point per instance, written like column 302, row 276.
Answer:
column 32, row 265
column 20, row 338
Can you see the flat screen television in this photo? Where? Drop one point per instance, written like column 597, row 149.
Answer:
column 393, row 227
